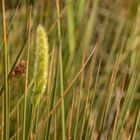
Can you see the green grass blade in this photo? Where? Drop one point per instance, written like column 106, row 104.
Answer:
column 61, row 73
column 6, row 96
column 135, row 127
column 26, row 80
column 70, row 26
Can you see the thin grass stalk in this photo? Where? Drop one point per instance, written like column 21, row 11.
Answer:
column 115, row 123
column 26, row 79
column 50, row 99
column 93, row 128
column 55, row 86
column 79, row 101
column 17, row 124
column 6, row 96
column 31, row 120
column 81, row 5
column 71, row 116
column 86, row 105
column 55, row 127
column 9, row 101
column 61, row 73
column 135, row 127
column 2, row 118
column 52, row 70
column 70, row 27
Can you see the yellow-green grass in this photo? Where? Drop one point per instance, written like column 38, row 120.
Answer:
column 93, row 77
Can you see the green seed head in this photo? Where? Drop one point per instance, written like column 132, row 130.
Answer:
column 41, row 65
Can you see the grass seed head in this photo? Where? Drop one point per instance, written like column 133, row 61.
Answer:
column 41, row 65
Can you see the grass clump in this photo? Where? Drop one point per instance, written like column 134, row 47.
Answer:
column 85, row 85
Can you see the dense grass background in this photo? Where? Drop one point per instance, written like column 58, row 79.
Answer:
column 93, row 88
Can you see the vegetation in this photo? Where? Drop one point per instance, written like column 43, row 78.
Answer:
column 70, row 70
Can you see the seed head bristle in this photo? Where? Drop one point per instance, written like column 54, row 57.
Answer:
column 41, row 65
